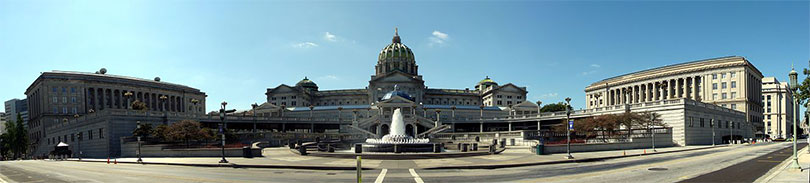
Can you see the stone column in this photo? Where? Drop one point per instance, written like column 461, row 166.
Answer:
column 696, row 87
column 655, row 91
column 678, row 88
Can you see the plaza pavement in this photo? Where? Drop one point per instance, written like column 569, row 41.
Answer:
column 511, row 157
column 783, row 173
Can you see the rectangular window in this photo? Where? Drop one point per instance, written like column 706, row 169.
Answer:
column 701, row 122
column 64, row 90
column 724, row 85
column 732, row 74
column 283, row 98
column 72, row 137
column 80, row 136
column 55, row 110
column 64, row 110
column 75, row 111
column 72, row 90
column 714, row 76
column 509, row 97
column 733, row 94
column 293, row 97
column 64, row 100
column 89, row 134
column 73, row 99
column 55, row 100
column 54, row 89
column 101, row 133
column 691, row 121
column 714, row 86
column 725, row 95
column 733, row 84
column 723, row 75
column 714, row 96
column 733, row 106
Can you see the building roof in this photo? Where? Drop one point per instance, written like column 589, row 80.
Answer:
column 109, row 78
column 673, row 66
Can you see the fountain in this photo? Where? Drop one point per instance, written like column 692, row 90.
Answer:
column 397, row 141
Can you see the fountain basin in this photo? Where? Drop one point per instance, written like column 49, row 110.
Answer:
column 399, row 148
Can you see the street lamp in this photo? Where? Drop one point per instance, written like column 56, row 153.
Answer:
column 222, row 127
column 652, row 120
column 254, row 105
column 138, row 128
column 794, row 85
column 711, row 124
column 568, row 135
column 165, row 112
column 538, row 114
column 731, row 130
column 128, row 95
column 79, row 142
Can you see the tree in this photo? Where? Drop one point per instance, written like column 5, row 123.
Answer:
column 144, row 131
column 186, row 131
column 140, row 106
column 555, row 107
column 160, row 132
column 15, row 140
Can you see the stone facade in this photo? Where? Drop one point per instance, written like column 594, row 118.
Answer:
column 778, row 100
column 730, row 82
column 57, row 97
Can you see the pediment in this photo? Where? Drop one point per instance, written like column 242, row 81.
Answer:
column 283, row 89
column 511, row 88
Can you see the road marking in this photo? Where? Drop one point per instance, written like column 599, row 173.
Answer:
column 381, row 177
column 416, row 176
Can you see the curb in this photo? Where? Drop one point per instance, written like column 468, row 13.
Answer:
column 560, row 161
column 233, row 165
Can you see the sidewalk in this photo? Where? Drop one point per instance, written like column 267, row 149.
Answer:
column 511, row 157
column 783, row 173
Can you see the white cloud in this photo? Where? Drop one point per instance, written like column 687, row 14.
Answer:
column 438, row 38
column 548, row 95
column 328, row 77
column 588, row 73
column 440, row 35
column 305, row 45
column 330, row 37
column 596, row 65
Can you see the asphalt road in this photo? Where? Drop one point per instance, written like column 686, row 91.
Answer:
column 748, row 171
column 672, row 167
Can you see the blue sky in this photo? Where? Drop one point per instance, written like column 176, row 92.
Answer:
column 235, row 50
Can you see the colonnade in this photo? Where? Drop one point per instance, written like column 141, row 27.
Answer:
column 688, row 87
column 105, row 98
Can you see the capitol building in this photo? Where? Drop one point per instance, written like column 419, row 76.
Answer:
column 396, row 66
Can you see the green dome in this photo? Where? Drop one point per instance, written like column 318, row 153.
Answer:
column 306, row 83
column 396, row 50
column 487, row 81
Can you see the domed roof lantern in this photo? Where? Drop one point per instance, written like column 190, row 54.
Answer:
column 306, row 83
column 396, row 36
column 487, row 81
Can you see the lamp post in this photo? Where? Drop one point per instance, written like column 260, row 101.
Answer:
column 711, row 124
column 794, row 85
column 79, row 142
column 138, row 128
column 652, row 120
column 538, row 114
column 128, row 95
column 222, row 128
column 165, row 112
column 311, row 107
column 254, row 106
column 481, row 118
column 568, row 134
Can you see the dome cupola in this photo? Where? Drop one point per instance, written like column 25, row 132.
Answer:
column 484, row 83
column 396, row 56
column 306, row 83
